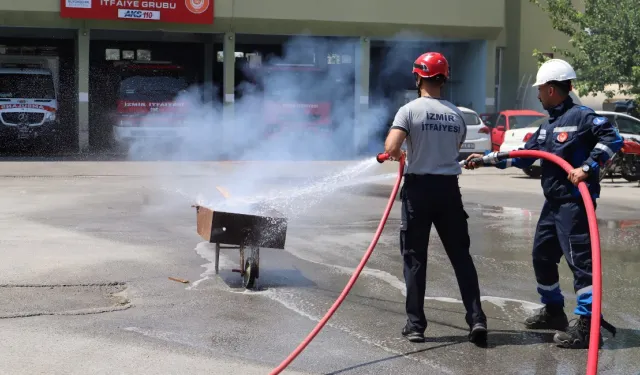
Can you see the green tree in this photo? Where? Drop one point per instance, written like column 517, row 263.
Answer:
column 605, row 41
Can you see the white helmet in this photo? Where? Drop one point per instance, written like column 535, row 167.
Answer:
column 554, row 70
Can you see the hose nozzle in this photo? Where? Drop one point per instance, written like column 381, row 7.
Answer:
column 490, row 159
column 382, row 157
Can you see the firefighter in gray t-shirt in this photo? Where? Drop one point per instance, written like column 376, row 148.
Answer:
column 434, row 130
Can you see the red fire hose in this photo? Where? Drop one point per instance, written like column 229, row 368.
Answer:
column 592, row 360
column 380, row 158
column 592, row 355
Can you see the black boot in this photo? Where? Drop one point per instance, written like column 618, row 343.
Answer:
column 478, row 334
column 412, row 335
column 548, row 317
column 577, row 336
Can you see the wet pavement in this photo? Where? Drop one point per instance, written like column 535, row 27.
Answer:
column 110, row 223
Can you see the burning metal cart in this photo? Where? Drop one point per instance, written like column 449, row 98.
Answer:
column 242, row 232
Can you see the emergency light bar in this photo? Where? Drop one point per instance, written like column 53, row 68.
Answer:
column 28, row 50
column 144, row 64
column 14, row 65
column 308, row 63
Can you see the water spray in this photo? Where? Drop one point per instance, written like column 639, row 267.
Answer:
column 380, row 158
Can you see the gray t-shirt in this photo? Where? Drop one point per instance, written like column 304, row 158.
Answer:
column 435, row 130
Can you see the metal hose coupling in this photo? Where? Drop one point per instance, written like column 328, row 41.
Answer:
column 490, row 159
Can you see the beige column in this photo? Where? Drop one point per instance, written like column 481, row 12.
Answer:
column 363, row 63
column 229, row 63
column 490, row 85
column 82, row 87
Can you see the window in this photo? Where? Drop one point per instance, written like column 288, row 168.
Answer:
column 27, row 86
column 502, row 121
column 489, row 119
column 287, row 83
column 523, row 121
column 611, row 119
column 628, row 125
column 152, row 86
column 333, row 58
column 112, row 54
column 470, row 118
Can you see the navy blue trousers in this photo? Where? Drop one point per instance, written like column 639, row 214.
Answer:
column 563, row 229
column 436, row 200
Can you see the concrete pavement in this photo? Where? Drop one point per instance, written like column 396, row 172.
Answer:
column 88, row 248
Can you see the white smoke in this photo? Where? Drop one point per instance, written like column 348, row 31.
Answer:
column 209, row 137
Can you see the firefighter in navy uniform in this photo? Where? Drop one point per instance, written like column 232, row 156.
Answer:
column 585, row 140
column 434, row 130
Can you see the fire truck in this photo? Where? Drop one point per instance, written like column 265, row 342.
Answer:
column 148, row 103
column 294, row 95
column 29, row 78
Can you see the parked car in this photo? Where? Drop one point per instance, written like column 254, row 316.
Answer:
column 478, row 138
column 511, row 120
column 489, row 119
column 628, row 126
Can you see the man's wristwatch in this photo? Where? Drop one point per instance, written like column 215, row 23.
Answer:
column 586, row 168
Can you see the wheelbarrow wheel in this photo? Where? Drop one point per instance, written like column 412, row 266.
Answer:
column 250, row 273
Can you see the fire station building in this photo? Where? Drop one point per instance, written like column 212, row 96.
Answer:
column 488, row 43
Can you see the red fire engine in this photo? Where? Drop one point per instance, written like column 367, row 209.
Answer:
column 293, row 98
column 148, row 100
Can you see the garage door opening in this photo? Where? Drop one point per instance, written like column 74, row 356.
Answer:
column 296, row 93
column 37, row 92
column 131, row 80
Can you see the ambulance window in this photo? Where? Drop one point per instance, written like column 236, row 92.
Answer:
column 31, row 86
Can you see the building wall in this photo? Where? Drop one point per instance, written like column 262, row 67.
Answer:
column 536, row 32
column 516, row 26
column 454, row 18
column 527, row 27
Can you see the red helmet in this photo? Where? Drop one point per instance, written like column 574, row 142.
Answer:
column 431, row 64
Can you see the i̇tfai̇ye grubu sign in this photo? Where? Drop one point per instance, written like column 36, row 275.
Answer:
column 174, row 11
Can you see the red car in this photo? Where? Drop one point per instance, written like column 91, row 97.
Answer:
column 507, row 120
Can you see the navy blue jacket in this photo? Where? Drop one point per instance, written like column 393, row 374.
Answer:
column 578, row 135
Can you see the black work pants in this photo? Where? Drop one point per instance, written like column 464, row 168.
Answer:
column 427, row 200
column 563, row 229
